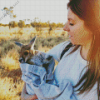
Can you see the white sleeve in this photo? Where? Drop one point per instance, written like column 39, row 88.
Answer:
column 57, row 50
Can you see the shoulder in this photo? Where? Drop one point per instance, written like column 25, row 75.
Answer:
column 57, row 50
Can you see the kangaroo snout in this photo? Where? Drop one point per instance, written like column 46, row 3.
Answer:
column 21, row 60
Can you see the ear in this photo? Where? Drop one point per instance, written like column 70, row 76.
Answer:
column 19, row 44
column 32, row 42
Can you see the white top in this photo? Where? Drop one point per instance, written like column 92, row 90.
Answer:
column 70, row 68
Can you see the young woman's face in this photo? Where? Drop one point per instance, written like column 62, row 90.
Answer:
column 75, row 27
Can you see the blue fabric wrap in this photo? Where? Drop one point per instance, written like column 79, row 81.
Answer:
column 41, row 82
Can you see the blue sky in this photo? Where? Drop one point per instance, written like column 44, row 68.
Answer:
column 45, row 10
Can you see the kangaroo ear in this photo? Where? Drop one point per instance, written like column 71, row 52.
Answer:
column 19, row 44
column 32, row 42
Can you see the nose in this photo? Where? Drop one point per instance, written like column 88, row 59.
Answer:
column 66, row 27
column 21, row 60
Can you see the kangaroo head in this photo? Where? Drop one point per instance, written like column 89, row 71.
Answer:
column 27, row 51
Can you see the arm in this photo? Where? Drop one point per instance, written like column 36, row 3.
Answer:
column 41, row 88
column 25, row 96
column 47, row 90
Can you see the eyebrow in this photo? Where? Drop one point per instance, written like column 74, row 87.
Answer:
column 70, row 19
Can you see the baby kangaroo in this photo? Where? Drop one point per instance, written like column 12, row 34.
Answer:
column 31, row 56
column 34, row 57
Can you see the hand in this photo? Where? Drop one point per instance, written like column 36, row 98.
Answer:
column 25, row 96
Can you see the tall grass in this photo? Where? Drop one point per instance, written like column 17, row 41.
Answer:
column 10, row 74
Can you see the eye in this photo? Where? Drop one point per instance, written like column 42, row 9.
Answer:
column 71, row 24
column 25, row 53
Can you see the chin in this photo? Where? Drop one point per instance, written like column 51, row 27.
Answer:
column 74, row 43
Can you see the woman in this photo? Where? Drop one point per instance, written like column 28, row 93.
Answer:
column 82, row 65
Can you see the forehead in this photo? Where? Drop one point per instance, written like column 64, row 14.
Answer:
column 26, row 47
column 72, row 17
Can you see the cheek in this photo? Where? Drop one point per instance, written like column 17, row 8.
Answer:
column 80, row 35
column 20, row 55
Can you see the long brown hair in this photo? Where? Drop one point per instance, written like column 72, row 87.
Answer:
column 88, row 10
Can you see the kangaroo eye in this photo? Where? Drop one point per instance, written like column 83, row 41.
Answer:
column 25, row 53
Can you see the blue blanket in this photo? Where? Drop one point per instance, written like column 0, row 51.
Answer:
column 41, row 81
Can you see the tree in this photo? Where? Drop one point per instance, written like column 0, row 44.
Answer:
column 21, row 23
column 53, row 24
column 50, row 27
column 9, row 11
column 13, row 24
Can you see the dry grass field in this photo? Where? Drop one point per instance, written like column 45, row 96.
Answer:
column 10, row 74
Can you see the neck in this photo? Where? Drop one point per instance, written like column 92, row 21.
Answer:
column 84, row 51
